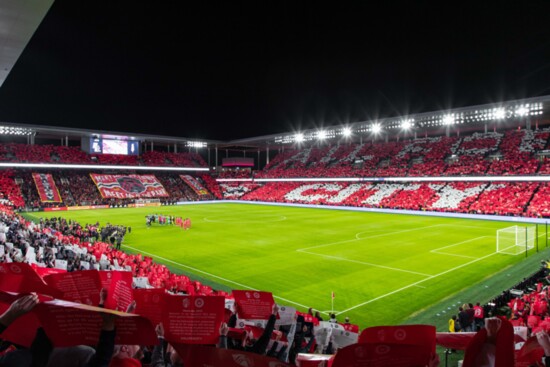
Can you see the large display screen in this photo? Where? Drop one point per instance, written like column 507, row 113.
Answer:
column 114, row 146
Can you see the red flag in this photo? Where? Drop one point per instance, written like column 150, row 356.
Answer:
column 332, row 294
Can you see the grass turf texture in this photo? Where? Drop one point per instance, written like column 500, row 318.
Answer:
column 383, row 268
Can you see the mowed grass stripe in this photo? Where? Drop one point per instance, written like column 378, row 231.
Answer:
column 262, row 247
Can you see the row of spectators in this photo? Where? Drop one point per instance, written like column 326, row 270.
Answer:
column 511, row 153
column 24, row 153
column 499, row 198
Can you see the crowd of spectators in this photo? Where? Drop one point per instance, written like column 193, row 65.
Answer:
column 24, row 153
column 499, row 198
column 514, row 152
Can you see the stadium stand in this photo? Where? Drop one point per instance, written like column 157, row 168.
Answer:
column 69, row 246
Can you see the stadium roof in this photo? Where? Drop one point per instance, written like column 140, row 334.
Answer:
column 527, row 112
column 19, row 19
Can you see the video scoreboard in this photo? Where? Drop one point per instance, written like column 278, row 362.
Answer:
column 110, row 145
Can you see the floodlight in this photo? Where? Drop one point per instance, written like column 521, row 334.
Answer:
column 299, row 137
column 522, row 111
column 376, row 128
column 346, row 132
column 321, row 134
column 448, row 119
column 499, row 113
column 406, row 125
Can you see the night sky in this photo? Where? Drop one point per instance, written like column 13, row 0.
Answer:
column 236, row 69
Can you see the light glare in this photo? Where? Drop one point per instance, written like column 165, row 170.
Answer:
column 448, row 120
column 522, row 111
column 500, row 113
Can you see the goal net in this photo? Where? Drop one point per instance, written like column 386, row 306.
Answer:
column 516, row 239
column 147, row 202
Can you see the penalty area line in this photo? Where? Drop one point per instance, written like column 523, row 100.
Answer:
column 415, row 284
column 211, row 275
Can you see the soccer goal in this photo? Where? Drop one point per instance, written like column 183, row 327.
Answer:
column 516, row 240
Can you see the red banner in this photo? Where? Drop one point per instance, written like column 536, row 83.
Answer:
column 314, row 360
column 46, row 188
column 150, row 304
column 56, row 209
column 530, row 353
column 119, row 289
column 42, row 272
column 194, row 184
column 128, row 186
column 253, row 305
column 23, row 330
column 77, row 286
column 193, row 319
column 398, row 346
column 22, row 278
column 381, row 355
column 68, row 324
column 454, row 340
column 84, row 287
column 197, row 355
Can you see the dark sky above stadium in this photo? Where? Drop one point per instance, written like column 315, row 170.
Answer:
column 232, row 69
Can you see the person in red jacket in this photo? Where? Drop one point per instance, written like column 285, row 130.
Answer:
column 478, row 317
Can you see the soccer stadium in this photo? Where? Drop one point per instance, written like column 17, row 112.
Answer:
column 401, row 240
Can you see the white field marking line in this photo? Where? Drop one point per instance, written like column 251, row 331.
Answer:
column 416, row 283
column 463, row 226
column 364, row 238
column 280, row 218
column 436, row 251
column 209, row 274
column 365, row 263
column 395, row 232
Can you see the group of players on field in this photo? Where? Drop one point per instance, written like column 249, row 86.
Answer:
column 168, row 220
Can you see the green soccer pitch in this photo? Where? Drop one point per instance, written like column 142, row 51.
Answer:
column 382, row 268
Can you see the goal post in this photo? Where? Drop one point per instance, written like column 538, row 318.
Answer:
column 516, row 240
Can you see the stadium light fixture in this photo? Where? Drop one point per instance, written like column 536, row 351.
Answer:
column 196, row 144
column 11, row 130
column 448, row 119
column 406, row 124
column 499, row 113
column 321, row 135
column 522, row 111
column 346, row 132
column 376, row 128
column 299, row 137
